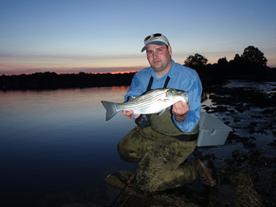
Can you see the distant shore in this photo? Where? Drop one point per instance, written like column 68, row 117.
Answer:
column 52, row 80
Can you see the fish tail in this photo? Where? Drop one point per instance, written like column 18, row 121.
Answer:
column 111, row 109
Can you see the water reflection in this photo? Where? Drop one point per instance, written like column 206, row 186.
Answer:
column 57, row 140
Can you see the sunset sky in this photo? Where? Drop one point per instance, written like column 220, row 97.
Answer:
column 107, row 35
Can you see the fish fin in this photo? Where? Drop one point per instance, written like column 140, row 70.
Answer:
column 111, row 109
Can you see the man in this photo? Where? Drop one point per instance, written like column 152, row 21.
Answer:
column 162, row 142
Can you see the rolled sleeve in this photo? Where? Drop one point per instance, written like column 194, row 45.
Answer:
column 193, row 115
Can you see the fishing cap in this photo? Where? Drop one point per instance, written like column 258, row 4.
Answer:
column 157, row 39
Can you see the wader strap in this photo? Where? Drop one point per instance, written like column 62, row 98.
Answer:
column 151, row 80
column 149, row 84
column 166, row 82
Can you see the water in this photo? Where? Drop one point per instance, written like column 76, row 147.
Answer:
column 57, row 143
column 56, row 147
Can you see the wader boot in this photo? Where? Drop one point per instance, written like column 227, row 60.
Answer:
column 120, row 179
column 206, row 173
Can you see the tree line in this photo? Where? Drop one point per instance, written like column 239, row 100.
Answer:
column 52, row 80
column 251, row 64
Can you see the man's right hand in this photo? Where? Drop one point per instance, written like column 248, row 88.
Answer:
column 130, row 114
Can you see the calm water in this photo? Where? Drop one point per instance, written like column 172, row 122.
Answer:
column 54, row 145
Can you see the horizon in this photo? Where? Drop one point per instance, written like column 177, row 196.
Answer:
column 102, row 70
column 103, row 36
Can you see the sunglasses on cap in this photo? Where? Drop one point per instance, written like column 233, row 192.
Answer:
column 152, row 36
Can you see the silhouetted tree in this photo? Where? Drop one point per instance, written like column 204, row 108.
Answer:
column 222, row 61
column 236, row 66
column 196, row 61
column 252, row 55
column 250, row 64
column 237, row 57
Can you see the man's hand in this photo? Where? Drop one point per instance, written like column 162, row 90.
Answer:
column 180, row 110
column 130, row 114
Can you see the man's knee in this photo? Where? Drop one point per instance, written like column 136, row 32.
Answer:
column 128, row 151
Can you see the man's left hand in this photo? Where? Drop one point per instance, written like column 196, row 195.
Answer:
column 180, row 110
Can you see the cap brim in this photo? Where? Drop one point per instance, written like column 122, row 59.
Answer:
column 154, row 43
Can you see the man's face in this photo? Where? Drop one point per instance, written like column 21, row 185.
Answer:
column 159, row 57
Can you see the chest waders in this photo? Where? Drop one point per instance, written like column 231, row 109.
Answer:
column 164, row 124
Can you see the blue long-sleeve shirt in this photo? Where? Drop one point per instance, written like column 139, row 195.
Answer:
column 182, row 78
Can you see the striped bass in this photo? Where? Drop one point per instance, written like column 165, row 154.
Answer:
column 153, row 101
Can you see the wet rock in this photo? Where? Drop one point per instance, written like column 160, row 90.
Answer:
column 273, row 143
column 236, row 119
column 237, row 190
column 220, row 109
column 257, row 159
column 206, row 108
column 246, row 194
column 238, row 156
column 269, row 111
column 131, row 198
column 249, row 142
column 223, row 195
column 233, row 138
column 274, row 177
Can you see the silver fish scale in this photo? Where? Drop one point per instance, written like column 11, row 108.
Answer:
column 152, row 102
column 143, row 101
